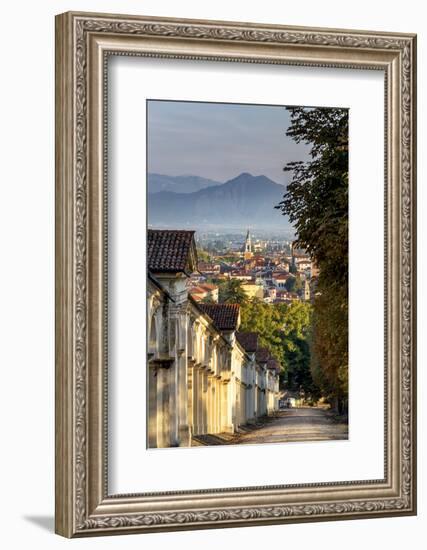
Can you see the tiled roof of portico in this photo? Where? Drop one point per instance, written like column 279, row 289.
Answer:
column 248, row 340
column 224, row 316
column 170, row 250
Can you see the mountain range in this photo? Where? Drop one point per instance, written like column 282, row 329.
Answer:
column 178, row 184
column 243, row 201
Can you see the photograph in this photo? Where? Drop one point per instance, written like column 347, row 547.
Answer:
column 247, row 274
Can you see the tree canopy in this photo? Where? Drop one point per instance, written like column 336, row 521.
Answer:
column 231, row 292
column 203, row 255
column 316, row 202
column 294, row 283
column 284, row 329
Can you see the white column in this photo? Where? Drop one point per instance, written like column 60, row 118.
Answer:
column 173, row 403
column 163, row 408
column 182, row 398
column 152, row 406
column 209, row 404
column 200, row 401
column 190, row 382
column 195, row 385
column 231, row 407
column 205, row 401
column 239, row 415
column 244, row 400
column 226, row 422
column 257, row 400
column 218, row 406
column 214, row 404
column 248, row 401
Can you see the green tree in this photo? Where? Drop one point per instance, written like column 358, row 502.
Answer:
column 316, row 202
column 330, row 345
column 292, row 268
column 296, row 342
column 290, row 284
column 202, row 255
column 284, row 329
column 294, row 283
column 296, row 318
column 298, row 284
column 231, row 292
column 208, row 299
column 267, row 321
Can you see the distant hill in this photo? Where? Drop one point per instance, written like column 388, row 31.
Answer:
column 178, row 184
column 245, row 200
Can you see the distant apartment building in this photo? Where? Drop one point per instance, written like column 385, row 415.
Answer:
column 303, row 265
column 284, row 264
column 253, row 290
column 241, row 275
column 279, row 279
column 272, row 293
column 283, row 296
column 203, row 291
column 259, row 280
column 259, row 261
column 209, row 268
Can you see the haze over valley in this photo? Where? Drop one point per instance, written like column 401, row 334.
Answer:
column 205, row 204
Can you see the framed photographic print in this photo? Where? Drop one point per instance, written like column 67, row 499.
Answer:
column 235, row 274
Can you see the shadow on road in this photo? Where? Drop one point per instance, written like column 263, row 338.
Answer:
column 295, row 424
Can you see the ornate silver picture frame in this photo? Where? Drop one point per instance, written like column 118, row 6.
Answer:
column 84, row 42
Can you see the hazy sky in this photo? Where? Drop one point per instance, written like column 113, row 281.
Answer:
column 220, row 141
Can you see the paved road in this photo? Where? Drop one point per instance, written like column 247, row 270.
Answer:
column 298, row 424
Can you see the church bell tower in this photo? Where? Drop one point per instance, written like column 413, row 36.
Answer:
column 248, row 247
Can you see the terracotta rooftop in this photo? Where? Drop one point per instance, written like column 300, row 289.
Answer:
column 224, row 316
column 240, row 273
column 248, row 340
column 281, row 276
column 205, row 266
column 197, row 290
column 262, row 355
column 273, row 364
column 170, row 250
column 208, row 286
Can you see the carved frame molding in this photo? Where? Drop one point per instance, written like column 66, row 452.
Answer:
column 83, row 44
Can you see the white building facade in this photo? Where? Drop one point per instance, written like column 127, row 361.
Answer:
column 203, row 374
